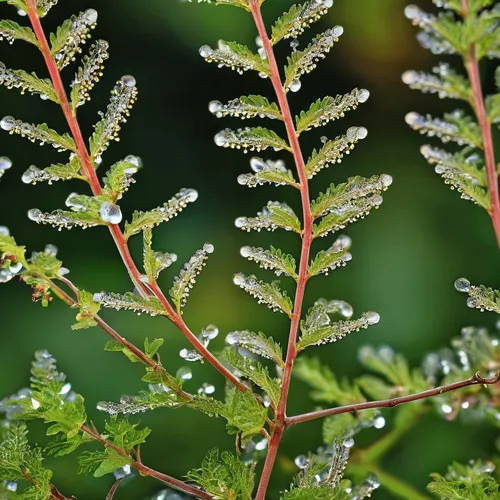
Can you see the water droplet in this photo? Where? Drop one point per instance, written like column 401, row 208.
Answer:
column 348, row 442
column 128, row 81
column 295, row 86
column 184, row 373
column 15, row 267
column 465, row 405
column 363, row 95
column 110, row 213
column 51, row 250
column 4, row 231
column 462, row 285
column 5, row 163
column 11, row 485
column 208, row 248
column 5, row 275
column 7, row 122
column 337, row 31
column 190, row 194
column 206, row 388
column 472, row 302
column 35, row 404
column 372, row 317
column 123, row 471
column 413, row 118
column 409, row 77
column 379, row 422
column 90, row 16
column 135, row 160
column 210, row 332
column 294, row 44
column 238, row 279
column 240, row 222
column 220, row 139
column 447, row 409
column 30, row 174
column 34, row 214
column 257, row 164
column 261, row 445
column 206, row 51
column 301, row 461
column 188, row 355
column 386, row 180
column 215, row 107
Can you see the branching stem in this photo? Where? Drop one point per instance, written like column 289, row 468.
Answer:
column 95, row 186
column 472, row 66
column 476, row 379
column 307, row 236
column 147, row 471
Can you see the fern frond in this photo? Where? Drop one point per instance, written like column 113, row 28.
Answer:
column 455, row 127
column 334, row 150
column 236, row 57
column 246, row 107
column 328, row 109
column 62, row 219
column 480, row 297
column 273, row 259
column 10, row 31
column 304, row 61
column 19, row 79
column 187, row 277
column 268, row 172
column 130, row 302
column 152, row 218
column 251, row 139
column 294, row 22
column 54, row 173
column 38, row 133
column 332, row 258
column 257, row 343
column 265, row 293
column 67, row 40
column 273, row 216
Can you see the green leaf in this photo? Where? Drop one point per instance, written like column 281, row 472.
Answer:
column 123, row 96
column 334, row 150
column 244, row 414
column 155, row 262
column 251, row 139
column 304, row 61
column 118, row 179
column 88, row 74
column 42, row 134
column 257, row 343
column 131, row 302
column 273, row 259
column 328, row 260
column 114, row 346
column 112, row 462
column 297, row 19
column 317, row 328
column 251, row 106
column 151, row 348
column 145, row 401
column 18, row 78
column 54, row 173
column 224, row 476
column 467, row 482
column 339, row 197
column 329, row 109
column 212, row 407
column 256, row 372
column 145, row 220
column 88, row 310
column 187, row 277
column 124, row 434
column 445, row 82
column 266, row 293
column 480, row 296
column 63, row 219
column 273, row 216
column 463, row 171
column 454, row 127
column 268, row 172
column 67, row 40
column 235, row 56
column 9, row 249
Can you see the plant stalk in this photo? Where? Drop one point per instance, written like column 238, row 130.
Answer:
column 95, row 186
column 472, row 66
column 307, row 236
column 476, row 379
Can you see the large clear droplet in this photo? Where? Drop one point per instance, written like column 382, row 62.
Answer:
column 206, row 51
column 5, row 163
column 372, row 317
column 7, row 122
column 4, row 231
column 110, row 213
column 462, row 285
column 90, row 16
column 128, row 81
column 295, row 86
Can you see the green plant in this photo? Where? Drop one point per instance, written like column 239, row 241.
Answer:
column 257, row 374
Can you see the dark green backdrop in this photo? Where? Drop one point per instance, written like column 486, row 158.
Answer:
column 406, row 255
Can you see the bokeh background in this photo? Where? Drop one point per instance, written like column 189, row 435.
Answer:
column 406, row 255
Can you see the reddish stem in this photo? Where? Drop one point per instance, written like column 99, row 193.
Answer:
column 147, row 471
column 476, row 379
column 93, row 180
column 472, row 66
column 307, row 236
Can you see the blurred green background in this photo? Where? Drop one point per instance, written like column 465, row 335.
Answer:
column 406, row 255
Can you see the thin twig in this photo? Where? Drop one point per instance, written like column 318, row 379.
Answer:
column 147, row 471
column 472, row 66
column 95, row 186
column 476, row 379
column 307, row 236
